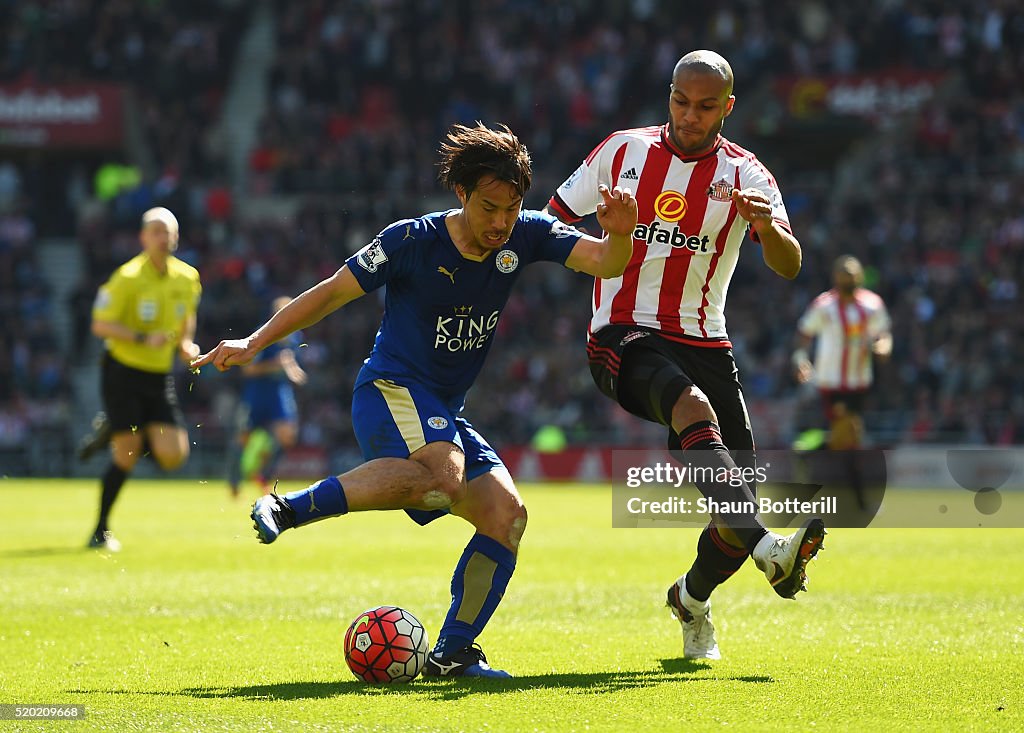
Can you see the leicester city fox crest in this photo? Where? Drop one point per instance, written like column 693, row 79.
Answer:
column 506, row 261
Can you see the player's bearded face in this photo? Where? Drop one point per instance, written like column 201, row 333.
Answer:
column 491, row 211
column 697, row 107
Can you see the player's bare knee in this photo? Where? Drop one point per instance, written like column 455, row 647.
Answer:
column 506, row 517
column 287, row 435
column 172, row 461
column 441, row 492
column 436, row 499
column 517, row 527
column 125, row 451
column 692, row 406
column 503, row 519
column 125, row 461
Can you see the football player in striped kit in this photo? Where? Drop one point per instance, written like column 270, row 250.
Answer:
column 657, row 342
column 852, row 328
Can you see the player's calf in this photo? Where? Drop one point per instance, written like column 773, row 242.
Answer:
column 494, row 508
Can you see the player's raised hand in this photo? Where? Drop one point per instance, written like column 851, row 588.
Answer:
column 803, row 370
column 227, row 354
column 617, row 212
column 296, row 374
column 752, row 205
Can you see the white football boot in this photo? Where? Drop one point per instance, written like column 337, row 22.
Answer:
column 784, row 559
column 695, row 619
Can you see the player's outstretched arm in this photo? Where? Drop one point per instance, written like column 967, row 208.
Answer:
column 780, row 249
column 608, row 257
column 311, row 307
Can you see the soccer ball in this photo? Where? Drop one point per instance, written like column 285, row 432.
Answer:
column 386, row 644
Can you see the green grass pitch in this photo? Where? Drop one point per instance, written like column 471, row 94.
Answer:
column 194, row 626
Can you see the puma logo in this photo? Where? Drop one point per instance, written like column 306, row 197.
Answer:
column 450, row 275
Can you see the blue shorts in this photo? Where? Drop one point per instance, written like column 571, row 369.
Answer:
column 266, row 405
column 394, row 421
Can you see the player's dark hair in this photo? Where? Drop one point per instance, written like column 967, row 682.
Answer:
column 470, row 153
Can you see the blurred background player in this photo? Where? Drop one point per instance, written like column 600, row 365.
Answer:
column 449, row 276
column 146, row 314
column 269, row 417
column 657, row 342
column 852, row 328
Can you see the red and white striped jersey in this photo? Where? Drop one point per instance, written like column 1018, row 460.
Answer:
column 844, row 333
column 688, row 234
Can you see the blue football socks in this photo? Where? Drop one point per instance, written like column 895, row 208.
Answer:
column 323, row 499
column 479, row 582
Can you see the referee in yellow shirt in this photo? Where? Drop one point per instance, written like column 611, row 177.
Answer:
column 146, row 313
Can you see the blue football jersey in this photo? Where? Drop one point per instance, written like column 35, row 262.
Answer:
column 441, row 307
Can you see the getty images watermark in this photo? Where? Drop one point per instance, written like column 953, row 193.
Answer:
column 908, row 487
column 677, row 476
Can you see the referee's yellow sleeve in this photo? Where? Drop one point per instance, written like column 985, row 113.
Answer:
column 110, row 300
column 197, row 288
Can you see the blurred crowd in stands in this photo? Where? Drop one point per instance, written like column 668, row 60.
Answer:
column 33, row 378
column 359, row 94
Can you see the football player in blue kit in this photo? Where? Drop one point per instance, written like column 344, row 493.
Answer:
column 269, row 415
column 448, row 277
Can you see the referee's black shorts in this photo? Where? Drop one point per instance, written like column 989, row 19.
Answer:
column 646, row 372
column 134, row 398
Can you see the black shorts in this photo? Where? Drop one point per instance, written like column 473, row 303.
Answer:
column 646, row 372
column 134, row 398
column 841, row 402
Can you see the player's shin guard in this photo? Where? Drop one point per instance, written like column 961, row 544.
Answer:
column 716, row 562
column 323, row 499
column 478, row 584
column 705, row 452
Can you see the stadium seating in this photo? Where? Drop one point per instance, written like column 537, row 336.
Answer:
column 358, row 97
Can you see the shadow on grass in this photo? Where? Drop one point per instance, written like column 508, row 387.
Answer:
column 673, row 671
column 29, row 552
column 682, row 666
